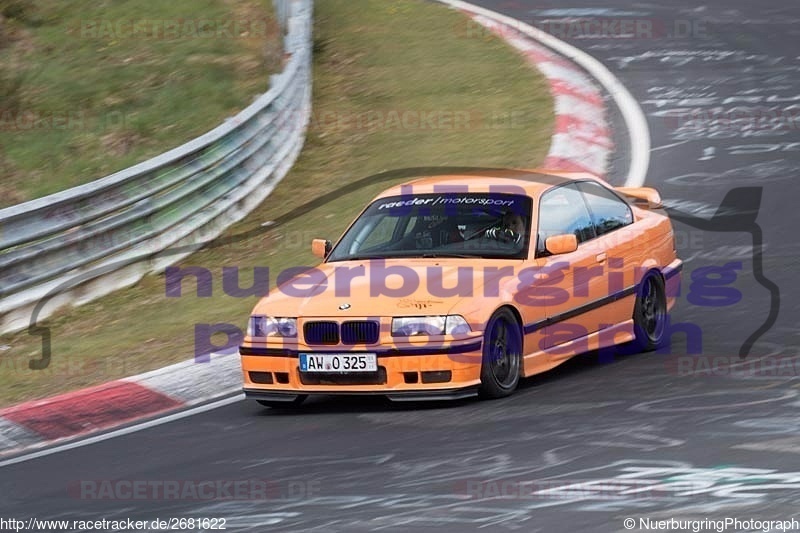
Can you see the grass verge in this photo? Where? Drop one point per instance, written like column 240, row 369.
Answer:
column 88, row 88
column 378, row 67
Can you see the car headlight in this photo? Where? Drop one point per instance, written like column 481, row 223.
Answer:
column 411, row 326
column 267, row 326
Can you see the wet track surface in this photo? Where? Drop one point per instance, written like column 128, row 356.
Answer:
column 593, row 442
column 599, row 441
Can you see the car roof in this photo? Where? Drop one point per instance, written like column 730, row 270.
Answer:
column 532, row 182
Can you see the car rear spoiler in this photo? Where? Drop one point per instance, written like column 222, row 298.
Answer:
column 642, row 194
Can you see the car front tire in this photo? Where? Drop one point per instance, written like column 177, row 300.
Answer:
column 502, row 355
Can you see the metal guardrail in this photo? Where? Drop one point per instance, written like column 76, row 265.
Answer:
column 112, row 231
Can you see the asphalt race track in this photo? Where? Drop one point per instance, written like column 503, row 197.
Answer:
column 594, row 442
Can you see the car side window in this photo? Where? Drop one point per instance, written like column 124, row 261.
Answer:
column 608, row 211
column 563, row 211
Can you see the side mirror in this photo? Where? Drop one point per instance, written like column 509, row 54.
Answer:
column 561, row 244
column 321, row 248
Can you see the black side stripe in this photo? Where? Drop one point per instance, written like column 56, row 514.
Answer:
column 672, row 272
column 534, row 326
column 566, row 315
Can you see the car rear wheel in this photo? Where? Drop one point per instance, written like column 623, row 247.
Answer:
column 502, row 354
column 296, row 402
column 650, row 313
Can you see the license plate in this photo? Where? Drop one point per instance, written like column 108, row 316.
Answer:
column 338, row 362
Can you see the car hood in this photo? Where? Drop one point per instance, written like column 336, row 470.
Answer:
column 394, row 287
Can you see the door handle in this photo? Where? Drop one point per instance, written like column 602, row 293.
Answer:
column 601, row 258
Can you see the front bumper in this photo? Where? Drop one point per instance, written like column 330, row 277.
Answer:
column 404, row 396
column 410, row 372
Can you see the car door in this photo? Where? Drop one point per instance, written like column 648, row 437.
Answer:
column 615, row 243
column 562, row 210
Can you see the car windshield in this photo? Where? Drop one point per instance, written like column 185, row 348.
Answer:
column 489, row 225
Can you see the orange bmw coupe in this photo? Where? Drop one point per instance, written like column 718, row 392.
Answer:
column 452, row 286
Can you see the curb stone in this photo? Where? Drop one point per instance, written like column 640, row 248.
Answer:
column 582, row 139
